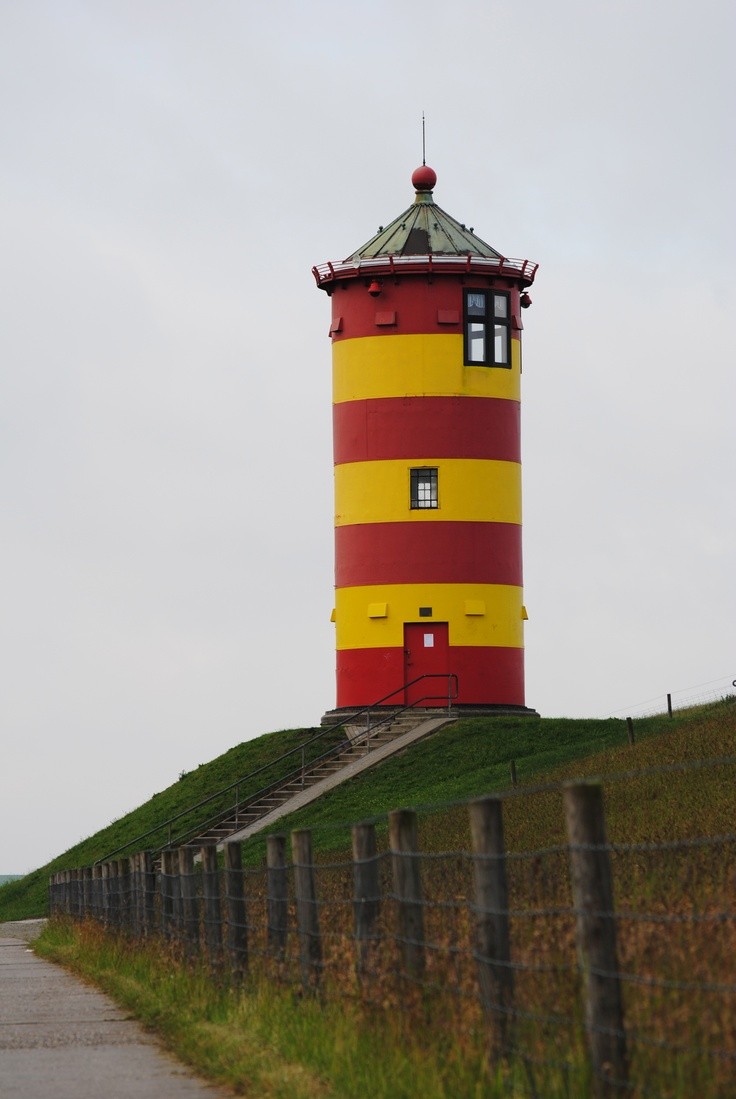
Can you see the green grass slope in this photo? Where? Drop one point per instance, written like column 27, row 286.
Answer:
column 27, row 897
column 464, row 760
column 473, row 757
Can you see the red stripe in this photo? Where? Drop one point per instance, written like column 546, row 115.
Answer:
column 427, row 553
column 420, row 304
column 427, row 427
column 486, row 676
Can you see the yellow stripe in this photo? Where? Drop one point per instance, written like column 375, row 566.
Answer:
column 415, row 366
column 469, row 490
column 501, row 625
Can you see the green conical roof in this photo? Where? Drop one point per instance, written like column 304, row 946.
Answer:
column 424, row 229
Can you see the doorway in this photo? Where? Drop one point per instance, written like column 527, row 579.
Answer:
column 426, row 652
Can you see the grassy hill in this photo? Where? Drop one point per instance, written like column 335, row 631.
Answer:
column 661, row 799
column 467, row 759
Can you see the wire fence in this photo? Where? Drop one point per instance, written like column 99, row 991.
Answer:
column 601, row 964
column 702, row 694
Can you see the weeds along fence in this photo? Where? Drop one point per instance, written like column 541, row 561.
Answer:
column 595, row 964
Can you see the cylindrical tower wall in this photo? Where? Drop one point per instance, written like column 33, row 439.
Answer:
column 407, row 407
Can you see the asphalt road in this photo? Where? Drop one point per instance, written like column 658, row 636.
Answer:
column 63, row 1039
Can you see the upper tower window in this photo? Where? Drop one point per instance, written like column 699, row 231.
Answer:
column 487, row 320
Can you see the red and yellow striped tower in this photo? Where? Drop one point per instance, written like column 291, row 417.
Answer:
column 426, row 334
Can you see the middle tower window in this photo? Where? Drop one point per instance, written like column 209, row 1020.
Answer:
column 423, row 487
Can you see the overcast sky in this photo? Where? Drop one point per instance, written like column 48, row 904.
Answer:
column 170, row 172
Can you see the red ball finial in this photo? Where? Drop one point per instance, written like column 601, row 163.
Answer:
column 424, row 178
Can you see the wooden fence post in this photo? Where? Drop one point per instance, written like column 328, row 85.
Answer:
column 117, row 890
column 127, row 905
column 307, row 915
column 189, row 900
column 168, row 915
column 630, row 730
column 134, row 897
column 177, row 903
column 492, row 938
column 278, row 902
column 87, row 903
column 669, row 705
column 212, row 908
column 119, row 896
column 97, row 891
column 402, row 831
column 366, row 892
column 149, row 893
column 592, row 889
column 140, row 889
column 114, row 884
column 105, row 895
column 237, row 927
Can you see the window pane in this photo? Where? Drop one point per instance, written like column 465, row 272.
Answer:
column 500, row 305
column 425, row 493
column 501, row 344
column 476, row 342
column 476, row 305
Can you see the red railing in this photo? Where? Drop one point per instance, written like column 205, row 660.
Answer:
column 523, row 269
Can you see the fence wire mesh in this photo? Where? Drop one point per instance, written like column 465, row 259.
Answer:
column 389, row 946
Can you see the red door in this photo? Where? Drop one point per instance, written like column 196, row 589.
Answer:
column 426, row 653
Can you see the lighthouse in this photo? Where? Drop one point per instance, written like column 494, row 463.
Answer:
column 426, row 353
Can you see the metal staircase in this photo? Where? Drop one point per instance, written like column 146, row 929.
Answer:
column 363, row 738
column 281, row 794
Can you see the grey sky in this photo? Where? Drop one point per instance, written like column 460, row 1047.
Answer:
column 170, row 172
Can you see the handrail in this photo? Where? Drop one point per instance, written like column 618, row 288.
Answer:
column 300, row 748
column 303, row 770
column 524, row 270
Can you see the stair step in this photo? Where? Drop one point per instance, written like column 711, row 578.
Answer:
column 349, row 751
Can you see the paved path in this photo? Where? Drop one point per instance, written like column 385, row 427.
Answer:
column 61, row 1039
